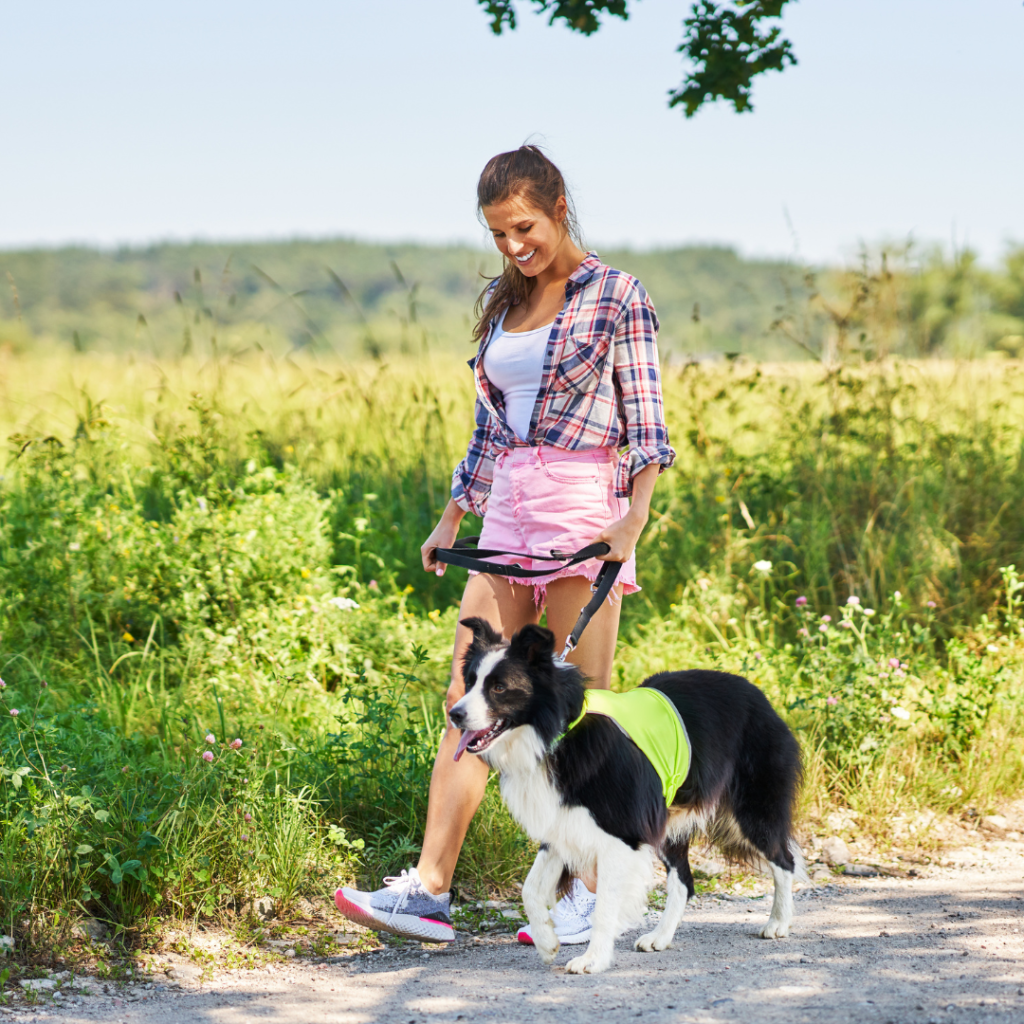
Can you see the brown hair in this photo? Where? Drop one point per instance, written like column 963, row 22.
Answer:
column 523, row 173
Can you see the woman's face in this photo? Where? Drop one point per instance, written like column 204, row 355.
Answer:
column 527, row 235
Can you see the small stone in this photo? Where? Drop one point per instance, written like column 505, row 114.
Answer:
column 860, row 870
column 511, row 914
column 289, row 952
column 91, row 930
column 995, row 823
column 39, row 984
column 834, row 851
column 262, row 907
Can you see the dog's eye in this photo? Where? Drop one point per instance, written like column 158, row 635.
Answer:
column 498, row 688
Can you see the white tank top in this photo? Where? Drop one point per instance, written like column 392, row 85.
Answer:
column 514, row 364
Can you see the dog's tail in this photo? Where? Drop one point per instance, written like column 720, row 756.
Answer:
column 800, row 868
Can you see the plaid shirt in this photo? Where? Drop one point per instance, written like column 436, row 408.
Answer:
column 600, row 388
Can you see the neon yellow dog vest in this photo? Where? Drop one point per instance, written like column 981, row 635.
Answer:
column 653, row 723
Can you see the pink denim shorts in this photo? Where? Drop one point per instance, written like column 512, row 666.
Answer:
column 545, row 498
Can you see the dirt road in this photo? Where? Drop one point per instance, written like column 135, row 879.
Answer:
column 948, row 946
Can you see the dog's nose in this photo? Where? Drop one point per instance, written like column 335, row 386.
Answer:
column 457, row 716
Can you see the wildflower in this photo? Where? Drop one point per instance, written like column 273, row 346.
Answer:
column 853, row 600
column 823, row 628
column 902, row 713
column 869, row 612
column 894, row 663
column 897, row 596
column 931, row 604
column 124, row 770
column 3, row 685
column 74, row 546
column 900, row 674
column 831, row 701
column 127, row 637
column 344, row 603
column 43, row 683
column 210, row 738
column 245, row 782
column 236, row 744
column 992, row 649
column 758, row 656
column 846, row 624
column 826, row 618
column 801, row 601
column 373, row 585
column 201, row 502
column 244, row 838
column 14, row 712
column 763, row 566
column 903, row 664
column 803, row 632
column 208, row 756
column 305, row 574
column 247, row 817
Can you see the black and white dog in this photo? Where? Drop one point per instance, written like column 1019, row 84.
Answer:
column 593, row 800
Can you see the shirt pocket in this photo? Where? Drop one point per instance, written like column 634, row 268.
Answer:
column 583, row 361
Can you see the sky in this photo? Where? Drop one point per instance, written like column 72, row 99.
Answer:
column 127, row 122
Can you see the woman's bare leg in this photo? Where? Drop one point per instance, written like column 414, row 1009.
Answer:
column 457, row 787
column 596, row 650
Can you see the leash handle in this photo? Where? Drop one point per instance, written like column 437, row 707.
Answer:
column 601, row 586
column 456, row 555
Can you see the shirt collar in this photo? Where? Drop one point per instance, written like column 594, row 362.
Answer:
column 584, row 272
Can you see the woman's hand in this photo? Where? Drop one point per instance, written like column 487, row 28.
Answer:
column 622, row 536
column 442, row 536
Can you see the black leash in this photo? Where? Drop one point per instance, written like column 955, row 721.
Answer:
column 478, row 561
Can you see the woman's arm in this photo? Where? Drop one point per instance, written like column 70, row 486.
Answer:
column 622, row 535
column 442, row 536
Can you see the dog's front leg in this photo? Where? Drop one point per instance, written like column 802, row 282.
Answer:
column 539, row 892
column 782, row 905
column 620, row 882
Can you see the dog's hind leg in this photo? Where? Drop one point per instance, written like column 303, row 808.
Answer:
column 539, row 892
column 782, row 905
column 679, row 888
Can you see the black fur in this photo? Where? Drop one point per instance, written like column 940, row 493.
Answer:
column 745, row 762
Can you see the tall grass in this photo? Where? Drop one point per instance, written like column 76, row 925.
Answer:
column 230, row 548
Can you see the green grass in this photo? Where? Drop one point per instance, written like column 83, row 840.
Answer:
column 230, row 547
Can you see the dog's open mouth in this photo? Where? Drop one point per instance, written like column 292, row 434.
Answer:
column 476, row 741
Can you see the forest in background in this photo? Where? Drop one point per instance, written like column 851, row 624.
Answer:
column 352, row 298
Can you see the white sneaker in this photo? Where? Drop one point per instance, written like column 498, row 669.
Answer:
column 571, row 915
column 403, row 907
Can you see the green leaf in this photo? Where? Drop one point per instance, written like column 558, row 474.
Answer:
column 83, row 849
column 103, row 816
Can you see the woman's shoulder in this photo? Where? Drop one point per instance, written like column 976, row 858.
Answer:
column 614, row 285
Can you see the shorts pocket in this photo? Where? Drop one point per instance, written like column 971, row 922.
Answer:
column 572, row 471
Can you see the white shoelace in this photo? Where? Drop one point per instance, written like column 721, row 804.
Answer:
column 402, row 884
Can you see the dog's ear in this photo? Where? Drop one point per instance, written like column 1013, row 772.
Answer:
column 533, row 644
column 484, row 635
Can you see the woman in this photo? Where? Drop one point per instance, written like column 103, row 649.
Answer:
column 566, row 379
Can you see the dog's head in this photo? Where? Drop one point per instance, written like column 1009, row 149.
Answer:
column 514, row 684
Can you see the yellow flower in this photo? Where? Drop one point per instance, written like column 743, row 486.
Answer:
column 305, row 574
column 127, row 637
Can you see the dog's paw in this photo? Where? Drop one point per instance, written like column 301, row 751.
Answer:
column 652, row 942
column 546, row 942
column 775, row 929
column 588, row 963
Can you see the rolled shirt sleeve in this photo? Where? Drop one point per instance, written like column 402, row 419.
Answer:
column 638, row 382
column 471, row 481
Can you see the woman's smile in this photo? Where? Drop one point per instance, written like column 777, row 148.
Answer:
column 525, row 258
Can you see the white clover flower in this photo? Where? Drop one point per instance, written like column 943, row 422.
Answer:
column 992, row 649
column 853, row 599
column 901, row 713
column 897, row 596
column 763, row 566
column 344, row 603
column 869, row 612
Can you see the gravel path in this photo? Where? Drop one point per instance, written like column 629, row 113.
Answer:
column 944, row 947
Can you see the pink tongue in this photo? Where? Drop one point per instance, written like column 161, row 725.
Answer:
column 468, row 735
